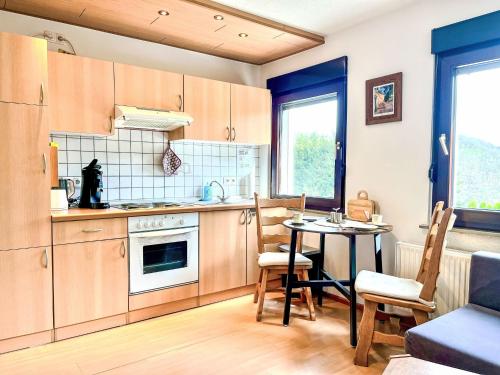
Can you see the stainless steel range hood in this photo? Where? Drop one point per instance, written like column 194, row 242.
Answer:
column 143, row 118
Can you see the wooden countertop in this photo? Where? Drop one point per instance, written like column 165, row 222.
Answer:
column 86, row 213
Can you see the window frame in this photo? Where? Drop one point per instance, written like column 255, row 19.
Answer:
column 440, row 171
column 338, row 86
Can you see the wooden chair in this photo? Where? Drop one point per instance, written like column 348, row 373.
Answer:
column 274, row 261
column 417, row 295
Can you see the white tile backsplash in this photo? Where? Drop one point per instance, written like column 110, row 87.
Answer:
column 132, row 166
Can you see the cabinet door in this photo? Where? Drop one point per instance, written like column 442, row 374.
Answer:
column 208, row 102
column 148, row 88
column 24, row 177
column 23, row 69
column 250, row 114
column 222, row 251
column 82, row 91
column 90, row 281
column 26, row 291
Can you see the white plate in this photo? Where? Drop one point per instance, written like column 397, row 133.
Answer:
column 347, row 224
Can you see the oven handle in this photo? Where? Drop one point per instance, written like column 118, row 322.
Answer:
column 163, row 233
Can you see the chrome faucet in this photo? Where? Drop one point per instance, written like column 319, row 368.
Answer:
column 223, row 198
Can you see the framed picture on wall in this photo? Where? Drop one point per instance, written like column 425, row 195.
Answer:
column 384, row 99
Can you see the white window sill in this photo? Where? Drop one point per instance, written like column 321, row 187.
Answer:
column 475, row 232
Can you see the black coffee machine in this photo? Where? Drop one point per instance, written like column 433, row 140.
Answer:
column 90, row 194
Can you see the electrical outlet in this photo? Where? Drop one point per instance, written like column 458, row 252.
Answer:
column 229, row 181
column 60, row 39
column 53, row 37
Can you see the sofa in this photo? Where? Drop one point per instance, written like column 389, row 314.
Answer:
column 467, row 338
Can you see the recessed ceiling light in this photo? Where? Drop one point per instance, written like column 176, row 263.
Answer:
column 243, row 35
column 218, row 17
column 163, row 12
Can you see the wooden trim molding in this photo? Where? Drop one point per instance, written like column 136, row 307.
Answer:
column 26, row 341
column 163, row 296
column 164, row 309
column 90, row 327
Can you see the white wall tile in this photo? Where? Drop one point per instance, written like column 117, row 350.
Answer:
column 132, row 164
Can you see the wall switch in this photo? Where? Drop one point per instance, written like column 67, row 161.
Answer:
column 229, row 181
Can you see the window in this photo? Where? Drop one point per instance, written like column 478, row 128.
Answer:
column 308, row 153
column 467, row 127
column 307, row 143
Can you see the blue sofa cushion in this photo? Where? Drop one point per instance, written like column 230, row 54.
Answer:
column 484, row 288
column 466, row 338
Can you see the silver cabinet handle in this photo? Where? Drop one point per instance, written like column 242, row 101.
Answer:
column 444, row 147
column 122, row 249
column 228, row 134
column 243, row 217
column 45, row 258
column 44, row 159
column 233, row 131
column 249, row 217
column 111, row 125
column 180, row 102
column 42, row 94
column 92, row 230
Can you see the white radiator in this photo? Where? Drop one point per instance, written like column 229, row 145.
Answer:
column 453, row 281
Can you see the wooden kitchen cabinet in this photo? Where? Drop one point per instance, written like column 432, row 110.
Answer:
column 148, row 88
column 82, row 94
column 222, row 251
column 250, row 114
column 23, row 69
column 24, row 176
column 26, row 291
column 90, row 281
column 209, row 103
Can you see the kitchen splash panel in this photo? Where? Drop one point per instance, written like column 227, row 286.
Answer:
column 132, row 167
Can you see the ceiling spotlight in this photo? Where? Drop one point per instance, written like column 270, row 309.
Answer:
column 243, row 35
column 163, row 12
column 218, row 17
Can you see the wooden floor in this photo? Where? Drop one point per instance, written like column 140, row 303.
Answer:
column 222, row 338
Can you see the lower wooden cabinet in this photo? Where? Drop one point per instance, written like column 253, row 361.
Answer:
column 26, row 291
column 222, row 251
column 90, row 281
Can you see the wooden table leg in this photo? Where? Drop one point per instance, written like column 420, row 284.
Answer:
column 289, row 278
column 321, row 262
column 352, row 281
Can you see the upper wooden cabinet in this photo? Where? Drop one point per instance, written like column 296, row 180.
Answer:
column 222, row 250
column 26, row 292
column 250, row 114
column 23, row 69
column 90, row 281
column 148, row 88
column 24, row 176
column 82, row 94
column 209, row 102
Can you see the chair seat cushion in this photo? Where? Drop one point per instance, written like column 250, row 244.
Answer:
column 466, row 338
column 271, row 258
column 389, row 286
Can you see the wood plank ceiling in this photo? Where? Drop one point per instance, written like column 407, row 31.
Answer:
column 190, row 24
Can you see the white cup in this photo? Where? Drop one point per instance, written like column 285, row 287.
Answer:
column 377, row 219
column 298, row 218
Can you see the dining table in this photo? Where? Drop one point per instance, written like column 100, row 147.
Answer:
column 323, row 278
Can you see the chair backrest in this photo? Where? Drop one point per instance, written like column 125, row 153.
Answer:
column 297, row 204
column 435, row 243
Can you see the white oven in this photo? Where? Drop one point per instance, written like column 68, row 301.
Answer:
column 163, row 251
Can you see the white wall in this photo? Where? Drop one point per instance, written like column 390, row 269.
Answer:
column 112, row 47
column 391, row 160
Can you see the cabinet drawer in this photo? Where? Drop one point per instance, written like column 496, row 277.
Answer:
column 89, row 230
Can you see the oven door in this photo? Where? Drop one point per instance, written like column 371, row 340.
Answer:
column 163, row 258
